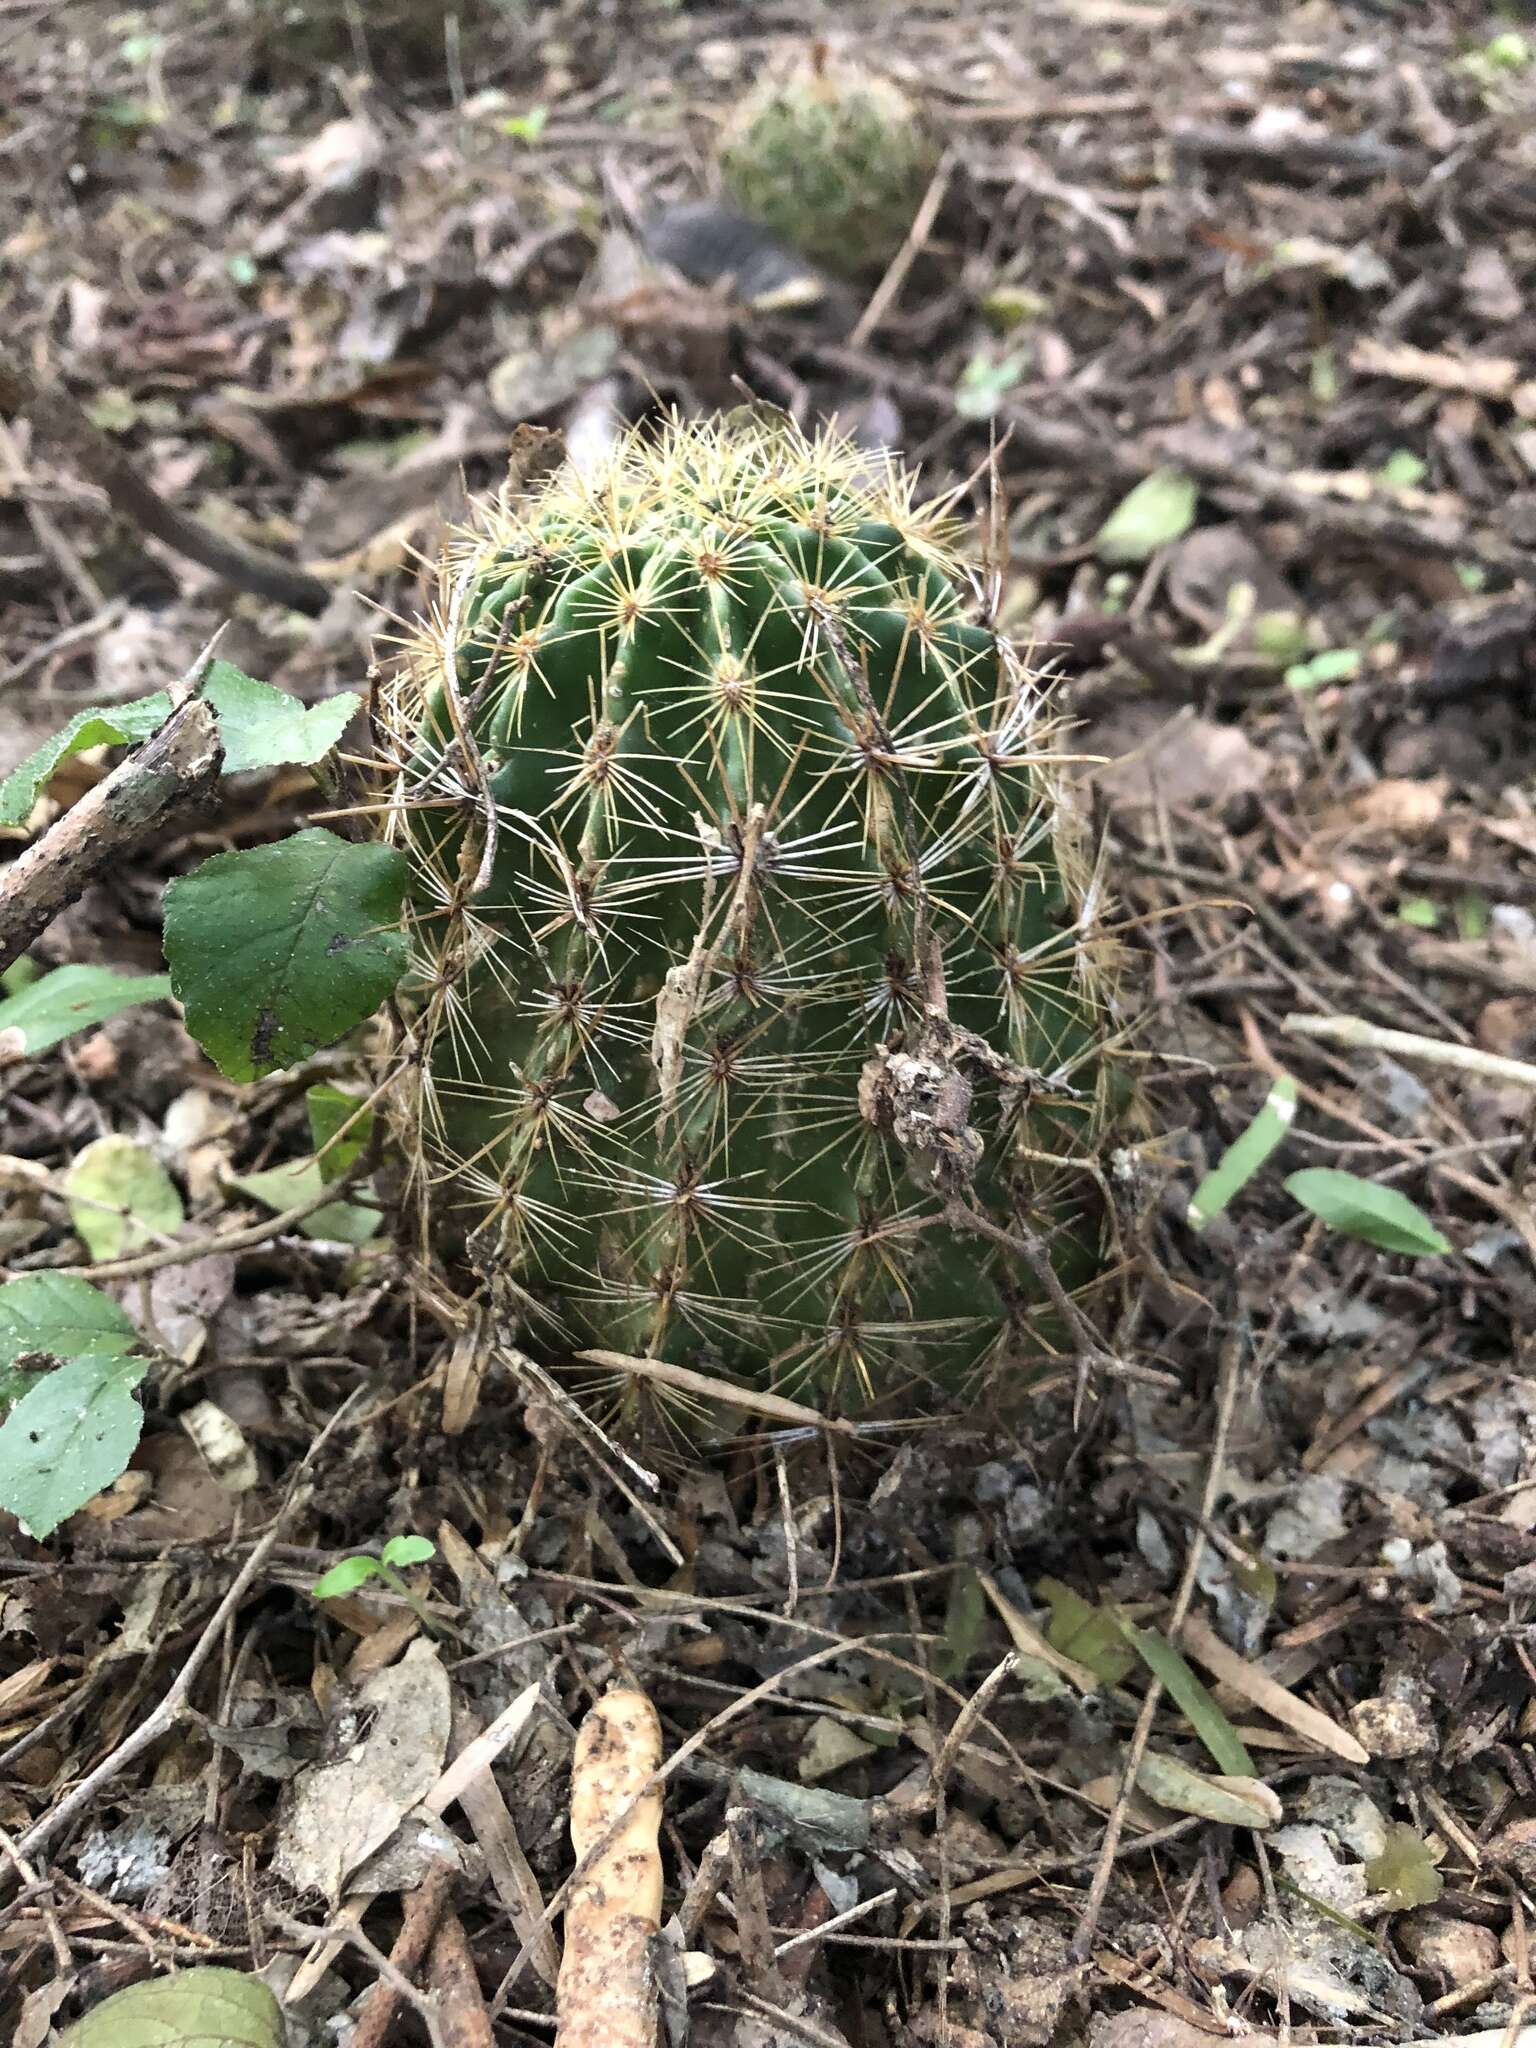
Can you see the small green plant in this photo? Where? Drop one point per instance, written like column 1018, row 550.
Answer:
column 1344, row 1202
column 397, row 1555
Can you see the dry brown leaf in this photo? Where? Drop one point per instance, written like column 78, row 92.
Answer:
column 1401, row 803
column 1262, row 1691
column 341, row 1813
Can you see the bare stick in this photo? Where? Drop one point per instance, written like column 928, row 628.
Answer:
column 171, row 773
column 462, row 2019
column 686, row 1381
column 607, row 1994
column 896, row 276
column 422, row 1910
column 1408, row 1045
column 55, row 413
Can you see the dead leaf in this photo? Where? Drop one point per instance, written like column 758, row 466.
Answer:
column 341, row 1813
column 1490, row 292
column 1158, row 756
column 1208, row 566
column 222, row 1444
column 1401, row 804
column 183, row 1301
column 37, row 2011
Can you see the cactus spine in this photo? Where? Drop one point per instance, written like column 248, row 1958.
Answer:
column 711, row 784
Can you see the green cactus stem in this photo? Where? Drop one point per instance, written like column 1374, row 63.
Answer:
column 750, row 936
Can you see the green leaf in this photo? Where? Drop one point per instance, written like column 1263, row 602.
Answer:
column 1403, row 467
column 284, row 1187
column 261, row 728
column 1281, row 637
column 985, row 382
column 1334, row 665
column 1200, row 1710
column 1159, row 510
column 1404, row 1870
column 58, row 1316
column 279, row 950
column 1420, row 911
column 121, row 1198
column 1508, row 51
column 345, row 1577
column 525, row 127
column 204, row 2007
column 1245, row 1155
column 1175, row 1785
column 19, row 975
column 69, row 1436
column 123, row 725
column 1473, row 916
column 62, row 1315
column 73, row 998
column 332, row 1109
column 1085, row 1633
column 965, row 1611
column 401, row 1551
column 1359, row 1208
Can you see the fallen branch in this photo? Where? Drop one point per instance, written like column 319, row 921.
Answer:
column 462, row 2019
column 607, row 1994
column 55, row 414
column 421, row 1912
column 172, row 772
column 1408, row 1045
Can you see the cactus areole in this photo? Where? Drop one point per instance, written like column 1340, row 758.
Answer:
column 750, row 945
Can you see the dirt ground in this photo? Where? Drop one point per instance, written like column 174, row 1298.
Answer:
column 939, row 1776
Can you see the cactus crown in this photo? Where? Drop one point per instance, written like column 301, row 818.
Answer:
column 711, row 784
column 831, row 157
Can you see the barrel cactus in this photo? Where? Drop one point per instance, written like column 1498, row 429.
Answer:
column 833, row 158
column 752, row 954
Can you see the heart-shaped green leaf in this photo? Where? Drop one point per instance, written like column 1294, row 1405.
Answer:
column 68, row 1437
column 121, row 1198
column 201, row 2008
column 278, row 950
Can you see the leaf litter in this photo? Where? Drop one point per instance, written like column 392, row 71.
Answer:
column 1262, row 396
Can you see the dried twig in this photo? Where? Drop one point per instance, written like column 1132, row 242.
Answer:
column 462, row 2019
column 170, row 774
column 896, row 274
column 1408, row 1045
column 422, row 1909
column 56, row 414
